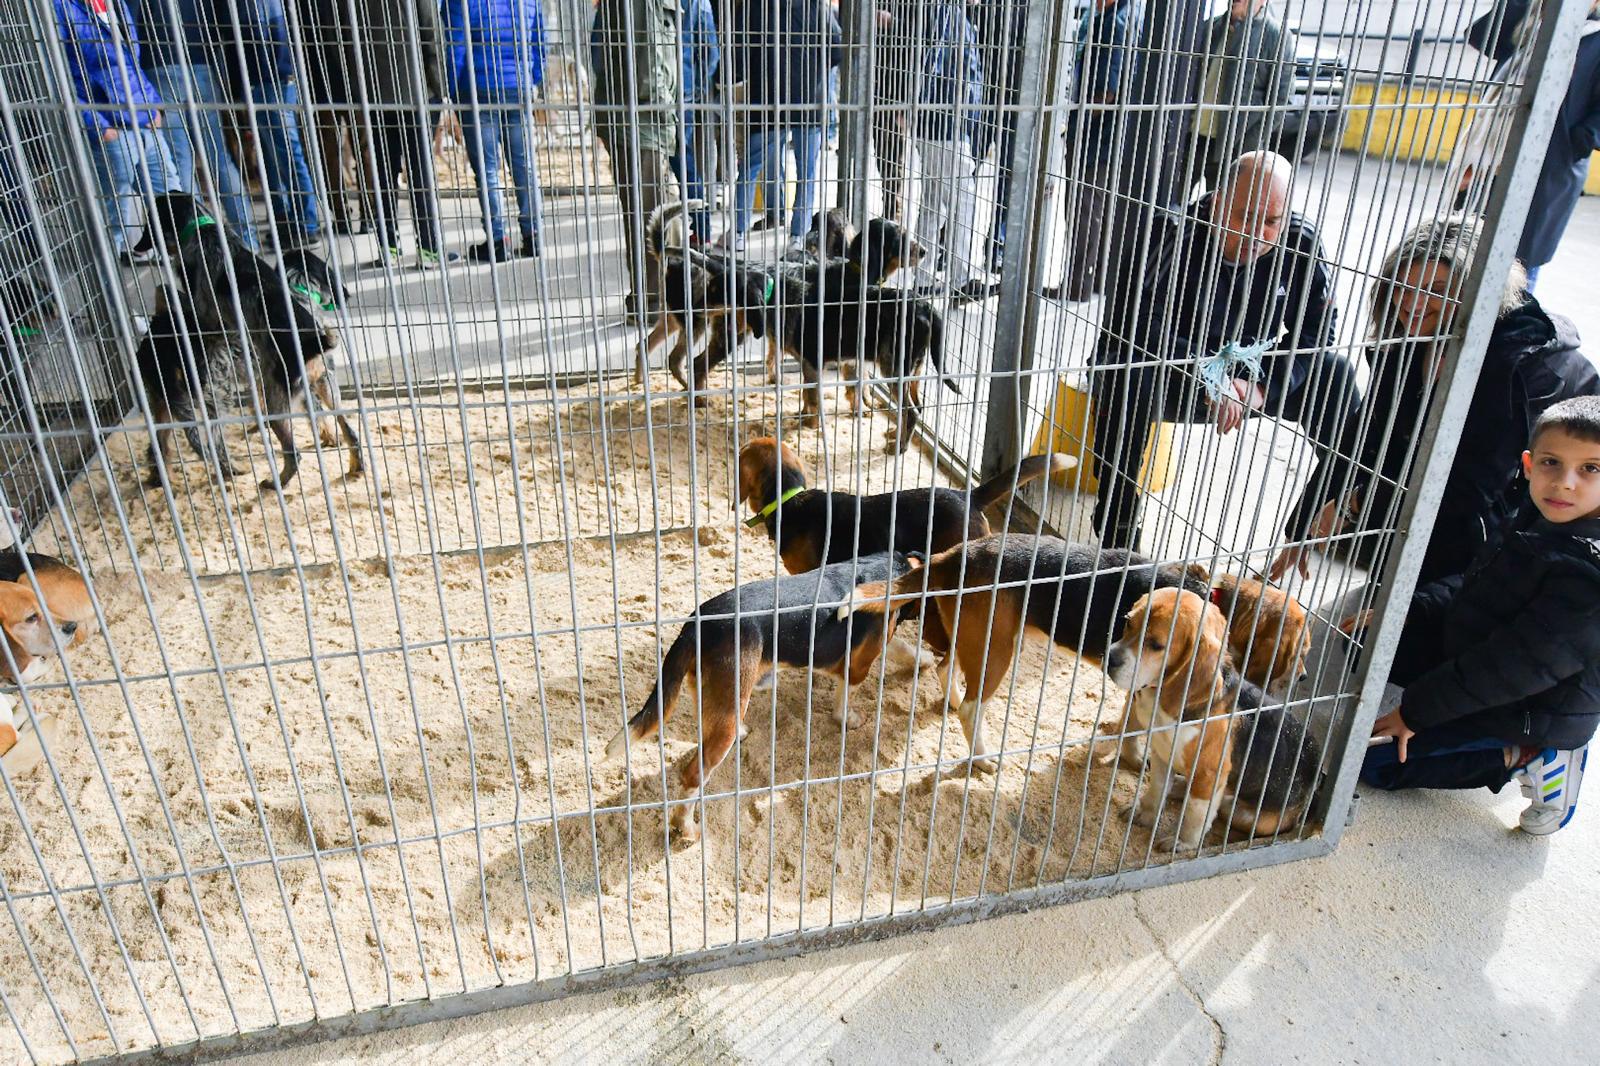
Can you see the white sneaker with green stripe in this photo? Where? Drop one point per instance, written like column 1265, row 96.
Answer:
column 1551, row 782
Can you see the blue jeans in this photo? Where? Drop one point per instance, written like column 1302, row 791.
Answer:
column 183, row 128
column 486, row 129
column 763, row 160
column 133, row 170
column 687, row 166
column 1447, row 756
column 294, row 198
column 1533, row 277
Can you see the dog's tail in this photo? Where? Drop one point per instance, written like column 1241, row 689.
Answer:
column 1030, row 469
column 885, row 597
column 936, row 352
column 658, row 705
column 655, row 229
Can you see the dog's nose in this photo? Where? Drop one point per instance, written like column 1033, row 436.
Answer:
column 69, row 628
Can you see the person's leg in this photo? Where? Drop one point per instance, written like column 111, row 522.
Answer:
column 1005, row 149
column 1121, row 399
column 1323, row 404
column 807, row 142
column 928, row 197
column 226, row 181
column 525, row 180
column 172, row 86
column 416, row 131
column 329, row 129
column 288, row 175
column 960, row 231
column 757, row 146
column 388, row 151
column 481, row 130
column 640, row 190
column 889, row 148
column 1533, row 277
column 114, row 168
column 773, row 162
column 1449, row 757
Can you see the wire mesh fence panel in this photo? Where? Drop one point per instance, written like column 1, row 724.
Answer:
column 524, row 497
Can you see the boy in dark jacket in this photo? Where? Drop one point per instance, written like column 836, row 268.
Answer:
column 1501, row 666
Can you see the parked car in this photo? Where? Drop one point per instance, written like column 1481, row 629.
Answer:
column 1315, row 116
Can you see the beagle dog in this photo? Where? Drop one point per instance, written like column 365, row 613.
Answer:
column 66, row 594
column 1267, row 632
column 734, row 644
column 1206, row 724
column 1268, row 640
column 812, row 527
column 28, row 636
column 989, row 592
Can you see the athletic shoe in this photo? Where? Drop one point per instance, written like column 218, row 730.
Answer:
column 1551, row 782
column 532, row 246
column 430, row 260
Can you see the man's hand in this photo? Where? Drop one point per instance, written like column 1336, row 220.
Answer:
column 884, row 19
column 1230, row 411
column 1329, row 521
column 1392, row 725
column 155, row 123
column 108, row 135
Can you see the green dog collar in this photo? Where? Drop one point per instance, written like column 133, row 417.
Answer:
column 772, row 508
column 194, row 224
column 766, row 294
column 315, row 297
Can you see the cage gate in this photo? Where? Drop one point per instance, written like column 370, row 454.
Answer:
column 390, row 737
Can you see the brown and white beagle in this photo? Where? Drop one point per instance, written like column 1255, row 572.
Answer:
column 1204, row 723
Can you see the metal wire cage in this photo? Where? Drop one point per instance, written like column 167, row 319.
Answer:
column 330, row 753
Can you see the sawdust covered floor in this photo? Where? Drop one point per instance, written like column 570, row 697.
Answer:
column 362, row 825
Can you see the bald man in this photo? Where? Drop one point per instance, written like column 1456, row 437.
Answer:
column 1237, row 270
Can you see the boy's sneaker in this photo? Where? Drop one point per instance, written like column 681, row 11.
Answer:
column 1551, row 781
column 430, row 259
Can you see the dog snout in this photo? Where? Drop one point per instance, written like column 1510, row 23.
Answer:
column 1117, row 661
column 69, row 628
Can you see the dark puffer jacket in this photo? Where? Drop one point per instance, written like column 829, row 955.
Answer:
column 1511, row 648
column 1532, row 362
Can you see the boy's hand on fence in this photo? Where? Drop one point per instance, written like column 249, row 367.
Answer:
column 108, row 135
column 1392, row 725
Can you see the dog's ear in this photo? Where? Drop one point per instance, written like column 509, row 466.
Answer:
column 915, row 560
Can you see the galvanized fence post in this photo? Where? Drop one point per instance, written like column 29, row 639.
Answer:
column 1016, row 324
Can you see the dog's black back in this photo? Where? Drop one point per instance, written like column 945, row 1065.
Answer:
column 808, row 631
column 1275, row 757
column 1081, row 593
column 861, row 525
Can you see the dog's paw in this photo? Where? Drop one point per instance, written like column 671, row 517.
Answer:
column 266, row 485
column 1174, row 844
column 685, row 827
column 1144, row 815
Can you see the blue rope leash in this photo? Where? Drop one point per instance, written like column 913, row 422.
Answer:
column 1234, row 360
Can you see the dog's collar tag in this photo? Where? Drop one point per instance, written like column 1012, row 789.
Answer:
column 194, row 224
column 1216, row 595
column 772, row 508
